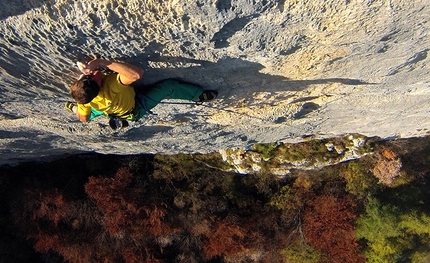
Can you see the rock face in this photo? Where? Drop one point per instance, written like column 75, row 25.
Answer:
column 284, row 70
column 280, row 159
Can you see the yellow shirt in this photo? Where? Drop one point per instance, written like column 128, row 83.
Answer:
column 114, row 98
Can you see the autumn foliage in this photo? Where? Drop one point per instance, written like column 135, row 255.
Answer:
column 224, row 240
column 181, row 209
column 328, row 226
column 121, row 208
column 111, row 226
column 388, row 167
column 202, row 216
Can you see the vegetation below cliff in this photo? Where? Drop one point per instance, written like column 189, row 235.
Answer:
column 189, row 208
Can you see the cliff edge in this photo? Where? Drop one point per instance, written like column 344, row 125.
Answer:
column 284, row 70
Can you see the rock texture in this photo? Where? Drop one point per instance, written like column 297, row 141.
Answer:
column 285, row 70
column 309, row 155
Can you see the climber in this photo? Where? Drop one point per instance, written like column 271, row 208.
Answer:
column 113, row 95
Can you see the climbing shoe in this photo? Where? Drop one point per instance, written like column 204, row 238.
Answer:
column 207, row 95
column 117, row 123
column 69, row 106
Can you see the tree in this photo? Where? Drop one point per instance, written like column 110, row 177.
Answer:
column 328, row 226
column 224, row 240
column 300, row 252
column 114, row 225
column 393, row 233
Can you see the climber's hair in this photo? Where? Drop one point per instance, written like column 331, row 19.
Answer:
column 84, row 90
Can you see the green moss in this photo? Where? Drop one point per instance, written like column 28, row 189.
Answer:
column 266, row 150
column 213, row 160
column 292, row 153
column 310, row 151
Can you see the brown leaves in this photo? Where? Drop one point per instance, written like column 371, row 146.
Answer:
column 113, row 200
column 328, row 226
column 225, row 239
column 122, row 227
column 50, row 206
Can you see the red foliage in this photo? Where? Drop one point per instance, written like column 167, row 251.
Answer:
column 120, row 228
column 328, row 226
column 46, row 242
column 120, row 206
column 109, row 193
column 46, row 210
column 49, row 205
column 130, row 255
column 226, row 240
column 153, row 221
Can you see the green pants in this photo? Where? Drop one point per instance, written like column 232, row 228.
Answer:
column 165, row 89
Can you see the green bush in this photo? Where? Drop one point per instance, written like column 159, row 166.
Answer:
column 300, row 252
column 393, row 234
column 286, row 199
column 359, row 181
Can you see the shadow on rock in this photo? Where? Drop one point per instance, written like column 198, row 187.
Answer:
column 235, row 79
column 13, row 7
column 307, row 108
column 146, row 132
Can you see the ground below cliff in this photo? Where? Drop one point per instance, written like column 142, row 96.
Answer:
column 285, row 71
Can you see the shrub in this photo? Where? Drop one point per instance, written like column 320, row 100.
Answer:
column 393, row 233
column 113, row 199
column 387, row 170
column 379, row 227
column 287, row 199
column 122, row 210
column 114, row 226
column 359, row 181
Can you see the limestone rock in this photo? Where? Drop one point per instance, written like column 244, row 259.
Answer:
column 284, row 70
